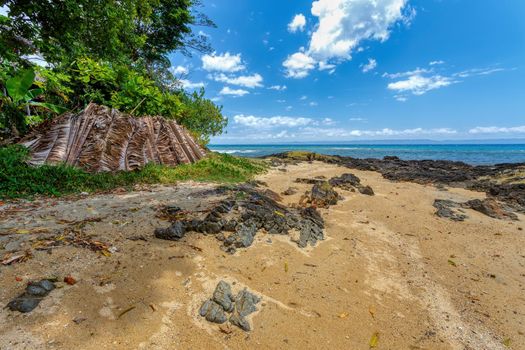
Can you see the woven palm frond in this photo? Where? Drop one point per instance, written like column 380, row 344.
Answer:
column 103, row 139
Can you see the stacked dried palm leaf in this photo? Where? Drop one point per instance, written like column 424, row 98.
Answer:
column 103, row 139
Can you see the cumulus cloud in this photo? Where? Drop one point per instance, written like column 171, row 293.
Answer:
column 189, row 85
column 226, row 62
column 371, row 65
column 343, row 25
column 270, row 122
column 299, row 65
column 248, row 81
column 233, row 92
column 497, row 130
column 298, row 23
column 418, row 84
column 278, row 87
column 179, row 70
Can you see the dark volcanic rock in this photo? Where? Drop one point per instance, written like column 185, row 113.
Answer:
column 172, row 233
column 323, row 195
column 244, row 213
column 223, row 296
column 213, row 312
column 346, row 181
column 366, row 190
column 244, row 305
column 448, row 209
column 350, row 182
column 312, row 230
column 33, row 295
column 290, row 191
column 494, row 180
column 223, row 302
column 490, row 207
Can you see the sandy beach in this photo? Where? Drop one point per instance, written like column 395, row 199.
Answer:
column 389, row 274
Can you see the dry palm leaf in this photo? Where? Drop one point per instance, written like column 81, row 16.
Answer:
column 103, row 139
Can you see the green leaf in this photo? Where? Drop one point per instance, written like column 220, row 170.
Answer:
column 54, row 108
column 18, row 86
column 33, row 93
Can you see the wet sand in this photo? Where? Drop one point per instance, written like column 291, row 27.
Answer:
column 388, row 266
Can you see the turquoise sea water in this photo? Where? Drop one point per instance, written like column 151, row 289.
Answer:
column 468, row 153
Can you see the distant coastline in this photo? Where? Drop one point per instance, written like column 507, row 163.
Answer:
column 471, row 153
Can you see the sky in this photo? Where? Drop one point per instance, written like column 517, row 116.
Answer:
column 345, row 70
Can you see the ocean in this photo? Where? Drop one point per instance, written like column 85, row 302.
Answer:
column 482, row 154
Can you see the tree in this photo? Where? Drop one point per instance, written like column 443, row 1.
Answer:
column 111, row 52
column 124, row 31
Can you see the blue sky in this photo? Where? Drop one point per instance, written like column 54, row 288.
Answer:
column 343, row 70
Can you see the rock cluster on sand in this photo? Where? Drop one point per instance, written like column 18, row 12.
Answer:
column 223, row 302
column 502, row 182
column 350, row 182
column 236, row 220
column 490, row 207
column 33, row 295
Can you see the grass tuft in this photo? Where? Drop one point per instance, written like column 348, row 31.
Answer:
column 19, row 180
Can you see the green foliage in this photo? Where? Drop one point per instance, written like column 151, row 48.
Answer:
column 202, row 116
column 19, row 180
column 113, row 53
column 19, row 97
column 118, row 31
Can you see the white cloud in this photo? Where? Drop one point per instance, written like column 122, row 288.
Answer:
column 418, row 84
column 313, row 104
column 179, row 70
column 303, row 98
column 422, row 80
column 298, row 23
column 298, row 65
column 371, row 65
column 386, row 132
column 343, row 25
column 189, row 85
column 478, row 71
column 328, row 121
column 249, row 81
column 233, row 92
column 222, row 63
column 270, row 122
column 434, row 63
column 4, row 10
column 278, row 87
column 497, row 130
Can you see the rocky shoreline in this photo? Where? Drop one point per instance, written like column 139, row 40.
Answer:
column 502, row 183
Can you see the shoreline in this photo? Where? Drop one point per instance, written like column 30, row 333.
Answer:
column 388, row 264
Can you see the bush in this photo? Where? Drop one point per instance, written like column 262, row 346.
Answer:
column 19, row 180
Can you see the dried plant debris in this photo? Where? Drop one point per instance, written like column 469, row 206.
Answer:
column 35, row 292
column 223, row 302
column 236, row 220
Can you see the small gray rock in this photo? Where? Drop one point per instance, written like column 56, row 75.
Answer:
column 223, row 296
column 213, row 312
